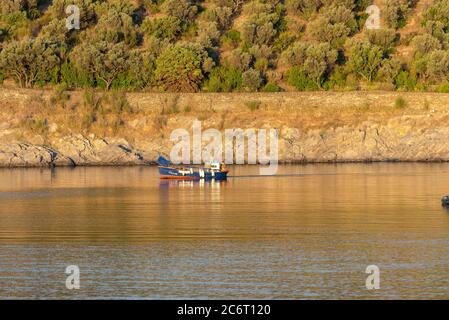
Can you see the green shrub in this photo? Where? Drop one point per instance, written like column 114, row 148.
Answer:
column 184, row 10
column 323, row 30
column 168, row 28
column 231, row 38
column 222, row 79
column 315, row 60
column 365, row 59
column 303, row 8
column 262, row 24
column 222, row 16
column 118, row 103
column 114, row 27
column 437, row 15
column 384, row 38
column 237, row 59
column 182, row 67
column 253, row 105
column 443, row 88
column 400, row 103
column 424, row 44
column 15, row 25
column 28, row 61
column 299, row 79
column 337, row 79
column 271, row 87
column 394, row 13
column 103, row 60
column 405, row 81
column 252, row 79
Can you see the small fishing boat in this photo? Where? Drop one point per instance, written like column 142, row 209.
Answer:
column 213, row 170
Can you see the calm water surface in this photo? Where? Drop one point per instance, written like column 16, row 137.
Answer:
column 309, row 233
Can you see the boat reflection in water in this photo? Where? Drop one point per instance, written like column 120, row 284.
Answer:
column 190, row 184
column 210, row 191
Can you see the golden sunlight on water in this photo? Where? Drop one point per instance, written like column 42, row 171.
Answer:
column 308, row 233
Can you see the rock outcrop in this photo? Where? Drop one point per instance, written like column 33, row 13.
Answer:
column 27, row 155
column 70, row 151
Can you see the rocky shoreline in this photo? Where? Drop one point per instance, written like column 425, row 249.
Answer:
column 77, row 151
column 313, row 128
column 346, row 144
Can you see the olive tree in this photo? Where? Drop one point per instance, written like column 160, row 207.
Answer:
column 113, row 27
column 184, row 10
column 28, row 61
column 433, row 66
column 222, row 16
column 259, row 29
column 55, row 31
column 238, row 60
column 252, row 79
column 28, row 6
column 315, row 60
column 394, row 12
column 105, row 61
column 169, row 28
column 384, row 38
column 303, row 8
column 365, row 58
column 425, row 43
column 182, row 67
column 389, row 70
column 334, row 23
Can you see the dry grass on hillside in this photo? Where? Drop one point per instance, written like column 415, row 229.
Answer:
column 138, row 116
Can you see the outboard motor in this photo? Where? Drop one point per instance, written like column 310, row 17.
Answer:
column 445, row 201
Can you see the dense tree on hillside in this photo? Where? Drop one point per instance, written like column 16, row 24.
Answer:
column 184, row 10
column 28, row 61
column 315, row 60
column 169, row 28
column 224, row 45
column 28, row 6
column 113, row 27
column 433, row 66
column 182, row 67
column 424, row 44
column 365, row 58
column 104, row 61
column 395, row 12
column 384, row 38
column 303, row 8
column 222, row 16
column 260, row 28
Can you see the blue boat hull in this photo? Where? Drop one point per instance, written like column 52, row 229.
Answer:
column 174, row 173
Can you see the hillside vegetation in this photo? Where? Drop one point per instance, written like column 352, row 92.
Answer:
column 226, row 45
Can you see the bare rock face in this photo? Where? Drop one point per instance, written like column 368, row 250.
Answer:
column 70, row 151
column 95, row 151
column 27, row 155
column 367, row 142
